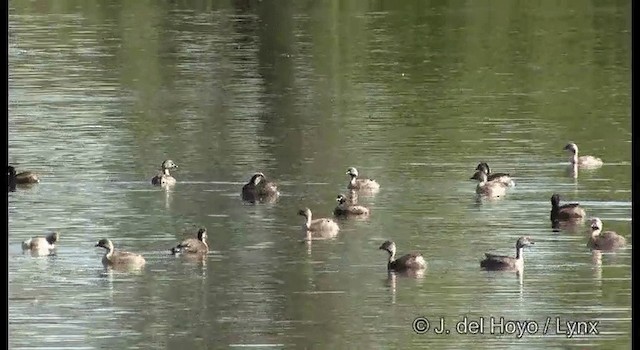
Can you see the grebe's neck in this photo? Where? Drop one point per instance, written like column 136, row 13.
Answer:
column 520, row 253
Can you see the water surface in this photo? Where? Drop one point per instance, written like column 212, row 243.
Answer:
column 413, row 94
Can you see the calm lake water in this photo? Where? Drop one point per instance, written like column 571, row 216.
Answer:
column 412, row 93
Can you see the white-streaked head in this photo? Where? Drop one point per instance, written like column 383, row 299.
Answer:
column 105, row 243
column 352, row 172
column 596, row 224
column 524, row 242
column 389, row 246
column 256, row 178
column 306, row 212
column 571, row 147
column 480, row 175
column 202, row 234
column 484, row 167
column 169, row 164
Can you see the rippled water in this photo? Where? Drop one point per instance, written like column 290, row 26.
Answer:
column 413, row 94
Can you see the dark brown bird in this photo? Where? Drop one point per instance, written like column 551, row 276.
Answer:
column 346, row 207
column 321, row 228
column 571, row 211
column 113, row 258
column 589, row 162
column 259, row 189
column 607, row 240
column 192, row 245
column 41, row 245
column 410, row 261
column 491, row 189
column 507, row 263
column 267, row 189
column 22, row 178
column 361, row 184
column 164, row 178
column 499, row 177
